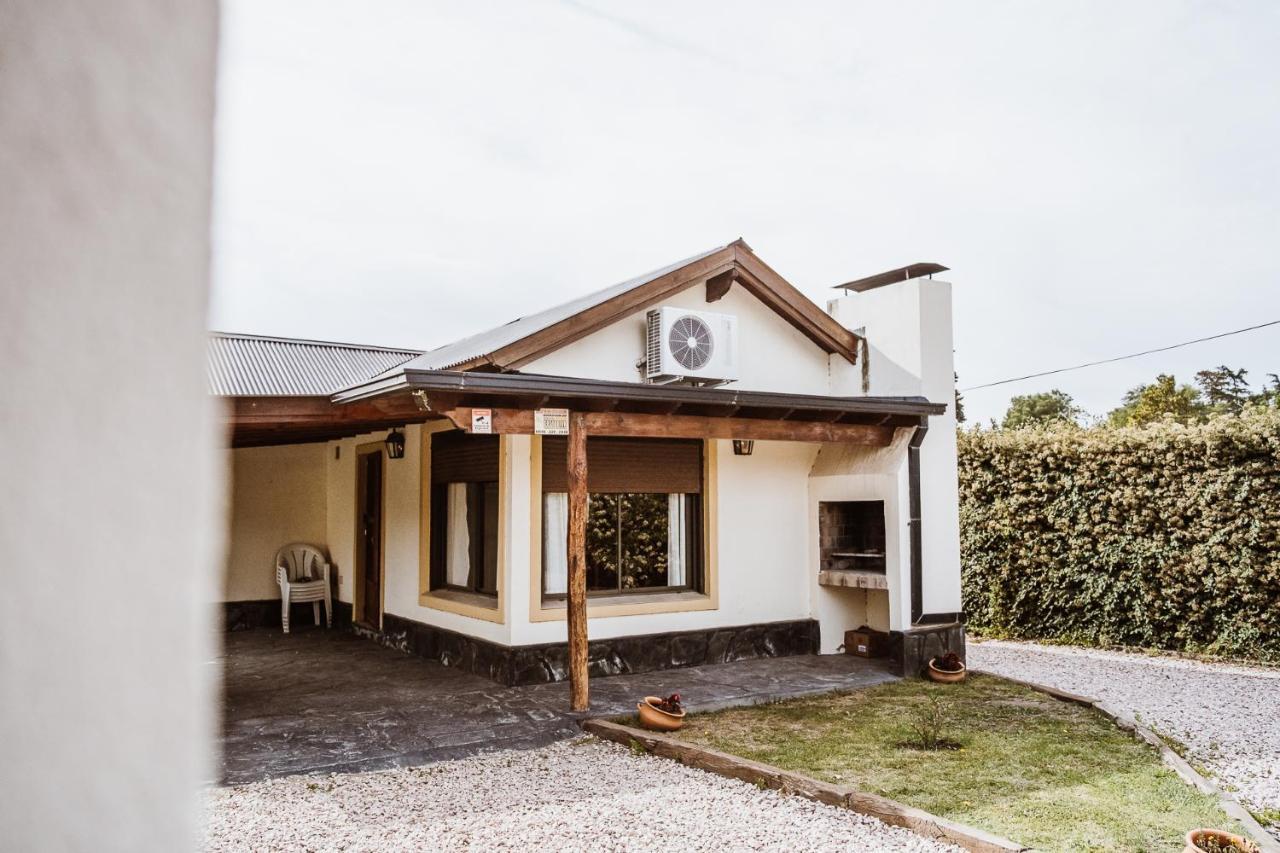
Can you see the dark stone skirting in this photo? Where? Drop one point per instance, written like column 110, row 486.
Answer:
column 910, row 651
column 515, row 665
column 244, row 615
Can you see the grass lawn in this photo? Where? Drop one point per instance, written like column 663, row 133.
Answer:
column 1049, row 774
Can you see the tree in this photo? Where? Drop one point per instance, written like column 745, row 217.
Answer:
column 1164, row 397
column 1270, row 393
column 1046, row 407
column 959, row 400
column 1224, row 389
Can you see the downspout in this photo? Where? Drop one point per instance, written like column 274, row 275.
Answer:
column 913, row 523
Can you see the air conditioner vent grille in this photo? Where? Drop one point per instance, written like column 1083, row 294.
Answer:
column 653, row 344
column 691, row 342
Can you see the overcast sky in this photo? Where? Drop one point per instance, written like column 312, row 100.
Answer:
column 1101, row 177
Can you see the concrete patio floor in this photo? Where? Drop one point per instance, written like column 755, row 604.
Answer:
column 319, row 701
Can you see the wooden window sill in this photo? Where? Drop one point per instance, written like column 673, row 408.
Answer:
column 472, row 604
column 634, row 604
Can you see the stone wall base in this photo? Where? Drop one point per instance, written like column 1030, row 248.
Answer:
column 515, row 665
column 910, row 651
column 265, row 613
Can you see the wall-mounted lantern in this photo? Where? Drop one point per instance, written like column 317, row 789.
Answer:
column 743, row 446
column 395, row 444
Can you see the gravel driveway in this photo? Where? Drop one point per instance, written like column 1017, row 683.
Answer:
column 1228, row 716
column 577, row 795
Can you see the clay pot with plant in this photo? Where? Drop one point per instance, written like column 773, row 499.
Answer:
column 661, row 715
column 1218, row 841
column 947, row 669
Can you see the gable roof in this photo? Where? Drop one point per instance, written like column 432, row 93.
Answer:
column 259, row 366
column 511, row 346
column 479, row 346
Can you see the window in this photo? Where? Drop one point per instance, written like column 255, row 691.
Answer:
column 464, row 512
column 644, row 516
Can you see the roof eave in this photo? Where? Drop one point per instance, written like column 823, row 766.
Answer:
column 501, row 385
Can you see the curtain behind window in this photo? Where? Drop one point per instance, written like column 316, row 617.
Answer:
column 677, row 542
column 458, row 538
column 555, row 539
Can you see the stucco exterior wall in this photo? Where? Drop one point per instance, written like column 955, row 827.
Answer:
column 402, row 511
column 278, row 495
column 111, row 487
column 772, row 354
column 847, row 473
column 761, row 552
column 763, row 564
column 908, row 328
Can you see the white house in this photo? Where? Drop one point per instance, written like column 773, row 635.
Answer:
column 763, row 475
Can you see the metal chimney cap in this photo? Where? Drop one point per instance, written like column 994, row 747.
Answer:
column 891, row 277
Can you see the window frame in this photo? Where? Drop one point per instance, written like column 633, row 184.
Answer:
column 696, row 549
column 438, row 557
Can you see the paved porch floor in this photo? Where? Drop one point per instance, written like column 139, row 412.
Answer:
column 327, row 701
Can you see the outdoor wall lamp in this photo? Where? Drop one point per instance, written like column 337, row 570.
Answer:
column 743, row 446
column 395, row 444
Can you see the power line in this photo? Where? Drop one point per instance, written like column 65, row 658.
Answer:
column 1121, row 357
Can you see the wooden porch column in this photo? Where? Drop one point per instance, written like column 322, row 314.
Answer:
column 577, row 548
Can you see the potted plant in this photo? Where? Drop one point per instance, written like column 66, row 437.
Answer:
column 661, row 715
column 947, row 669
column 1218, row 841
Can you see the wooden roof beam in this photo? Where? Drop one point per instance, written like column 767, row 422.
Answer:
column 520, row 422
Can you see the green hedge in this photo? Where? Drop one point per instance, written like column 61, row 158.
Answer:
column 1166, row 536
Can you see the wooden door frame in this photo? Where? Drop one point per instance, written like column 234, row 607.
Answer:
column 357, row 593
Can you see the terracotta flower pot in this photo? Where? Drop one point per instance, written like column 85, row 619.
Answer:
column 1224, row 839
column 943, row 677
column 653, row 717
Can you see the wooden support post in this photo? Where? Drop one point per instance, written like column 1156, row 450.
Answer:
column 577, row 549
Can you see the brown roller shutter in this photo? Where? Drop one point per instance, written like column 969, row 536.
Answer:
column 459, row 457
column 654, row 465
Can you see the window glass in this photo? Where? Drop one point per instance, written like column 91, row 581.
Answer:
column 644, row 540
column 636, row 542
column 602, row 542
column 464, row 521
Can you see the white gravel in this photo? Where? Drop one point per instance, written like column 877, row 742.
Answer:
column 580, row 795
column 1228, row 716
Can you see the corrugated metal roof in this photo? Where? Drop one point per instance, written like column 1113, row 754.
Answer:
column 257, row 366
column 484, row 343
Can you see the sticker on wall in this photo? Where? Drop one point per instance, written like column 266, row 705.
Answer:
column 482, row 420
column 551, row 421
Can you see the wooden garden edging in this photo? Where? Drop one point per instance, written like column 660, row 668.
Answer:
column 1229, row 804
column 883, row 809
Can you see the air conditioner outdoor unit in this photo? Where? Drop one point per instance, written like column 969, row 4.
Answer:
column 691, row 345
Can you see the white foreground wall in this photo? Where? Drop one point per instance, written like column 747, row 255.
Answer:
column 110, row 492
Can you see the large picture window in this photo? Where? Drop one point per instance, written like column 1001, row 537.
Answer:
column 464, row 512
column 644, row 516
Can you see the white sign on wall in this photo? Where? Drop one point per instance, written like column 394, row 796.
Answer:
column 482, row 420
column 551, row 421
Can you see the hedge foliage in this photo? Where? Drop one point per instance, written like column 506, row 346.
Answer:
column 1164, row 536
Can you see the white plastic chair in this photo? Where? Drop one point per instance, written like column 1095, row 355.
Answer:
column 303, row 575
